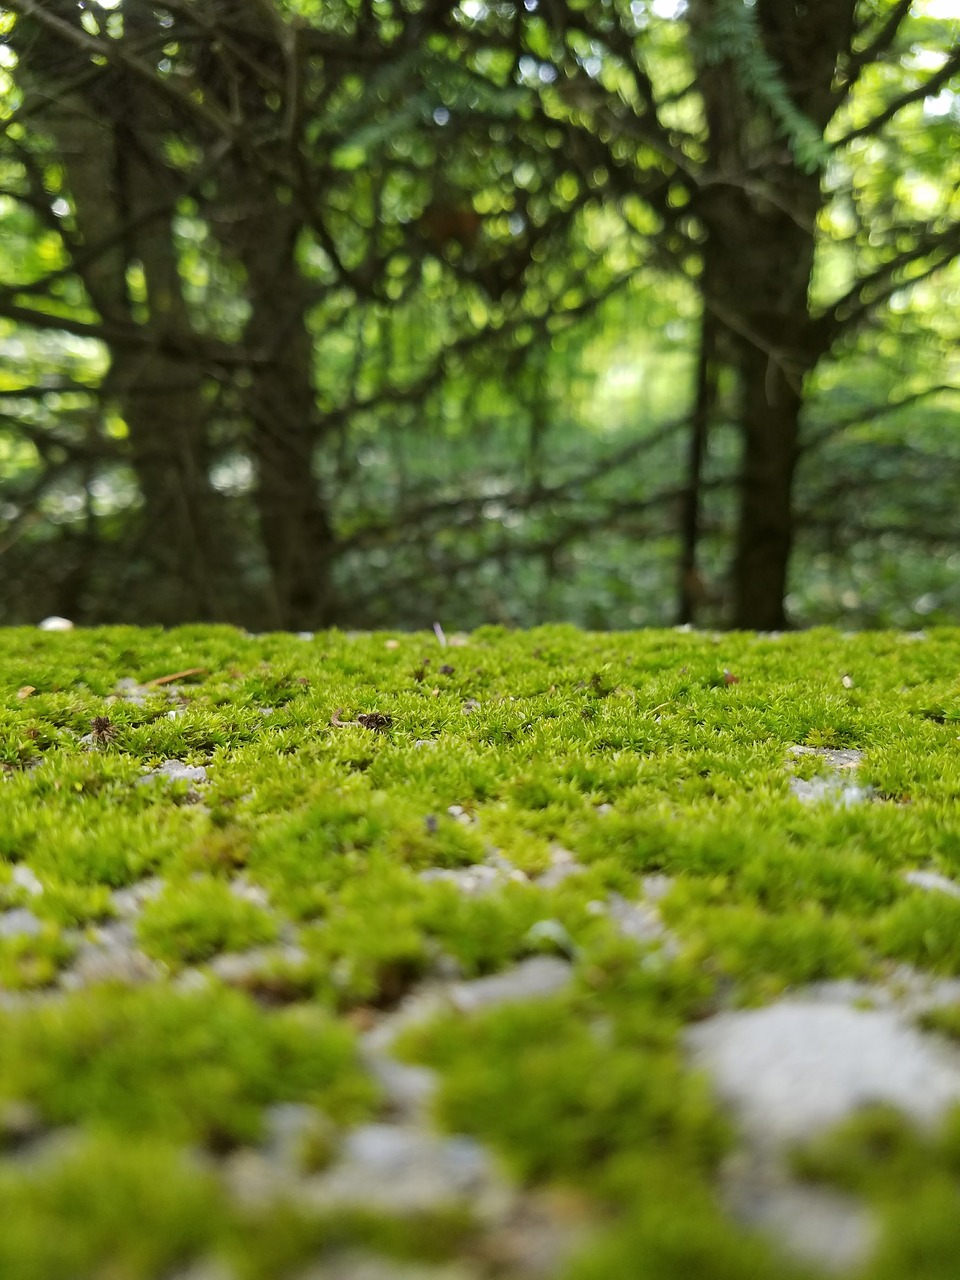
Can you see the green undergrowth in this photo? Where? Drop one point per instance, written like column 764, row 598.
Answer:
column 339, row 770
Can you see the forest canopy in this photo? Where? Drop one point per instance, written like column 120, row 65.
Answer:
column 382, row 311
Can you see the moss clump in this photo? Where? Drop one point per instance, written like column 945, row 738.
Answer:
column 188, row 1066
column 342, row 774
column 910, row 1177
column 113, row 1206
column 191, row 921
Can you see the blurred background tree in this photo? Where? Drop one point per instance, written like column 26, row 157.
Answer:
column 378, row 312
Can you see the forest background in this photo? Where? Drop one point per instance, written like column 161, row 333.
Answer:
column 378, row 312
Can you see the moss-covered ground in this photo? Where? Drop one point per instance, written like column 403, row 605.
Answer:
column 335, row 771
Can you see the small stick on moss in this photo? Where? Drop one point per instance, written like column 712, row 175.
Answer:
column 177, row 675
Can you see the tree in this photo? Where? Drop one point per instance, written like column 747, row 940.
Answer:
column 759, row 116
column 294, row 230
column 310, row 158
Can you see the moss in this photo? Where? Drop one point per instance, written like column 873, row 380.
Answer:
column 194, row 920
column 910, row 1177
column 194, row 1066
column 632, row 751
column 28, row 962
column 112, row 1206
column 566, row 1093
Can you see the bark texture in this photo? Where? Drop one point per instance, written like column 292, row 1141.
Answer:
column 759, row 204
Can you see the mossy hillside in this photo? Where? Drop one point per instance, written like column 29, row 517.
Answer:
column 650, row 753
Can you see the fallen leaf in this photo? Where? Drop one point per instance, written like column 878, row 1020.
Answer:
column 375, row 720
column 26, row 691
column 729, row 677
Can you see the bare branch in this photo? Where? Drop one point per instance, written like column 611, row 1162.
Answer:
column 925, row 90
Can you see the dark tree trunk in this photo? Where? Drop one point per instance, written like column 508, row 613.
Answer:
column 691, row 589
column 770, row 417
column 124, row 202
column 281, row 405
column 759, row 211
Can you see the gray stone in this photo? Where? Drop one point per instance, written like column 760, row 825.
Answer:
column 801, row 1066
column 563, row 864
column 248, row 892
column 637, row 920
column 831, row 787
column 532, row 979
column 176, row 771
column 830, row 790
column 355, row 1265
column 656, row 887
column 19, row 923
column 812, row 1224
column 932, row 880
column 239, row 967
column 24, row 879
column 833, row 757
column 478, row 878
column 130, row 901
column 544, row 935
column 110, row 954
column 298, row 1137
column 407, row 1090
column 404, row 1170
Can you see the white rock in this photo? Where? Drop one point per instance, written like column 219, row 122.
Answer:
column 356, row 1265
column 53, row 623
column 831, row 790
column 19, row 923
column 396, row 1169
column 932, row 880
column 813, row 1224
column 24, row 878
column 532, row 979
column 800, row 1066
column 835, row 757
column 176, row 771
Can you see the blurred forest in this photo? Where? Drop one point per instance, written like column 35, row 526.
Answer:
column 378, row 312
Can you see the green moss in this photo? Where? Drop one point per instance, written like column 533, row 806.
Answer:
column 191, row 921
column 29, row 962
column 924, row 929
column 910, row 1177
column 945, row 1019
column 113, row 1206
column 566, row 1093
column 631, row 751
column 194, row 1066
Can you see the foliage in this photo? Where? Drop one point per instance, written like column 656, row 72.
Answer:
column 634, row 755
column 455, row 261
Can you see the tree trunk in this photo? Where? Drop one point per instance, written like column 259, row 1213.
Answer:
column 759, row 211
column 123, row 206
column 691, row 590
column 770, row 417
column 281, row 405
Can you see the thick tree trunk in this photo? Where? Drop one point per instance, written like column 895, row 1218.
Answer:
column 281, row 405
column 770, row 416
column 123, row 208
column 691, row 589
column 759, row 211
